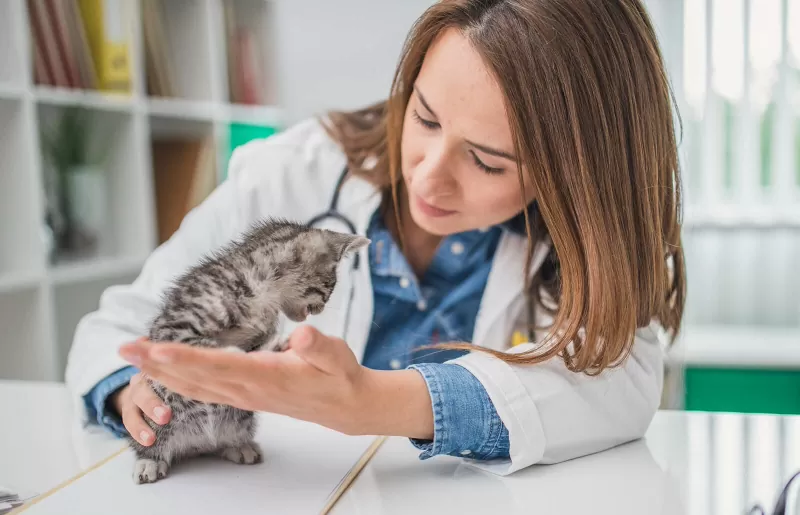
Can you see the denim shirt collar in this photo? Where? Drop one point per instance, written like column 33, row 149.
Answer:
column 387, row 259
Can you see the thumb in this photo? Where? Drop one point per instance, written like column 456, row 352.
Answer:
column 331, row 355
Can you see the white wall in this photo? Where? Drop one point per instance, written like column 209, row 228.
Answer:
column 329, row 58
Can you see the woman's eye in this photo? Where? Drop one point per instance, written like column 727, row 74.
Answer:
column 483, row 166
column 425, row 123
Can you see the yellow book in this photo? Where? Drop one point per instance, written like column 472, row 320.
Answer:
column 107, row 31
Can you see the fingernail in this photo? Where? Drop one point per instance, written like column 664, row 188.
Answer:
column 145, row 436
column 160, row 412
column 161, row 356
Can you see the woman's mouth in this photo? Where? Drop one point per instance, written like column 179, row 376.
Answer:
column 430, row 210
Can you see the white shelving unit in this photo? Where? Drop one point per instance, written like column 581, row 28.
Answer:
column 40, row 303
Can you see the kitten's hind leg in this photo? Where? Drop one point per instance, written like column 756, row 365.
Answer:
column 149, row 471
column 244, row 454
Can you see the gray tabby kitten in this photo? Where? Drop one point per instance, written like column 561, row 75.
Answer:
column 233, row 299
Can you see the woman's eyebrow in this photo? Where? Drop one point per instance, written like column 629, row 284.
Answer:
column 483, row 148
column 423, row 101
column 493, row 151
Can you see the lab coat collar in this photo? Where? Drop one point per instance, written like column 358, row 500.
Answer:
column 358, row 202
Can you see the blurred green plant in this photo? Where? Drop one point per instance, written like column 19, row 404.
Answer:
column 70, row 143
column 765, row 134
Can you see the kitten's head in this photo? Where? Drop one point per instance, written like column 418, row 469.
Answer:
column 307, row 263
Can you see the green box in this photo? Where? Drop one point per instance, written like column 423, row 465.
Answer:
column 743, row 390
column 241, row 133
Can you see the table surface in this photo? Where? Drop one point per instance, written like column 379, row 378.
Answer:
column 692, row 463
column 688, row 463
column 41, row 443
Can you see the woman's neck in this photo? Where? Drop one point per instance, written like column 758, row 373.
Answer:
column 419, row 245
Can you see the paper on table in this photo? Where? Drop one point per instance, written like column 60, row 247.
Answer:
column 8, row 500
column 303, row 464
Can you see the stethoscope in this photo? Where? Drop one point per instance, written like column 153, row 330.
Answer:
column 333, row 213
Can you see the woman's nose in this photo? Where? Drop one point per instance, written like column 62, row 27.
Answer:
column 433, row 178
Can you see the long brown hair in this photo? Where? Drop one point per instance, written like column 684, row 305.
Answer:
column 589, row 104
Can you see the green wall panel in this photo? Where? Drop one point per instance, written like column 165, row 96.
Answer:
column 743, row 390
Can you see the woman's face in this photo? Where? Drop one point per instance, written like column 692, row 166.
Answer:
column 457, row 151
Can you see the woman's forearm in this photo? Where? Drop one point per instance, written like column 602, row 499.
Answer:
column 396, row 403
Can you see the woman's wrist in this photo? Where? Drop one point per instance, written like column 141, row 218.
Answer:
column 395, row 403
column 116, row 399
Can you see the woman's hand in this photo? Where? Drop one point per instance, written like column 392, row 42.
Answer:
column 136, row 401
column 317, row 379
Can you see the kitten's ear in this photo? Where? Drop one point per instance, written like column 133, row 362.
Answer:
column 349, row 243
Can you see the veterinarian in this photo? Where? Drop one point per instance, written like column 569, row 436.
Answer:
column 520, row 188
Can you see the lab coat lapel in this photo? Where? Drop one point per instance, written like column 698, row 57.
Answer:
column 359, row 200
column 504, row 286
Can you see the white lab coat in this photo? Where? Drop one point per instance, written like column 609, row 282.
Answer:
column 551, row 413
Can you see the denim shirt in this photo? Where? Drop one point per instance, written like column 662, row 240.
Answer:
column 441, row 306
column 408, row 313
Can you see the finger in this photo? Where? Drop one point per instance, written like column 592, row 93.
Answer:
column 212, row 392
column 135, row 424
column 202, row 364
column 327, row 354
column 174, row 356
column 212, row 375
column 148, row 402
column 134, row 352
column 137, row 378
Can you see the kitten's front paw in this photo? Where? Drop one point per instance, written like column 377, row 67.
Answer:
column 278, row 346
column 245, row 454
column 149, row 471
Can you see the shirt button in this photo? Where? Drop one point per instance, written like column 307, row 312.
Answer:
column 457, row 248
column 466, row 452
column 395, row 364
column 404, row 282
column 422, row 305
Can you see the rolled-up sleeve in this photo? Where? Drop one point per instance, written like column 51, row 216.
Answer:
column 96, row 400
column 466, row 423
